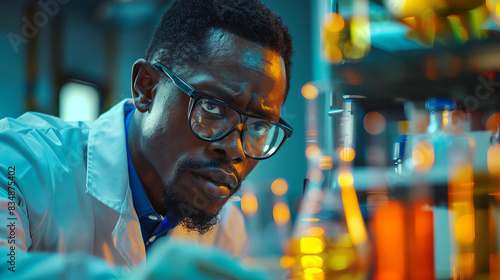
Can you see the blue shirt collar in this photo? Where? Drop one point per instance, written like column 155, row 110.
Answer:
column 152, row 224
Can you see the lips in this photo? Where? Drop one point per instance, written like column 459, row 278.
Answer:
column 216, row 182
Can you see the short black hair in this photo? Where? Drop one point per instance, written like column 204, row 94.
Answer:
column 185, row 23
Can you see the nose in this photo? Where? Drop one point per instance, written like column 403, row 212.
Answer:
column 230, row 147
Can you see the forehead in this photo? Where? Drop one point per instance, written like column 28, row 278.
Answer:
column 243, row 73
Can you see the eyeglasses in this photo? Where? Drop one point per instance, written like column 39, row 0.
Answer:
column 212, row 119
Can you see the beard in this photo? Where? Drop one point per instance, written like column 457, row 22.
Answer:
column 186, row 214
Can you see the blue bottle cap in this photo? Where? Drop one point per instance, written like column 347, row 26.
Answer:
column 399, row 147
column 434, row 103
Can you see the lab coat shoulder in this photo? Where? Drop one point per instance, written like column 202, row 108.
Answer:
column 43, row 155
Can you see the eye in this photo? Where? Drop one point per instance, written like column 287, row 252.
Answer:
column 211, row 107
column 261, row 128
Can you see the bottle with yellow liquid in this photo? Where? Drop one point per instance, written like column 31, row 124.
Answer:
column 330, row 239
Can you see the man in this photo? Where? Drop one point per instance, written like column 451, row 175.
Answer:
column 206, row 108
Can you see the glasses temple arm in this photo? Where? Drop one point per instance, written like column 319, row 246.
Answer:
column 176, row 80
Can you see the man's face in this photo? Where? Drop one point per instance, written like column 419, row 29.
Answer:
column 243, row 74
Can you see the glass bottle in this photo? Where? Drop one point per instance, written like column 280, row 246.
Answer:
column 330, row 240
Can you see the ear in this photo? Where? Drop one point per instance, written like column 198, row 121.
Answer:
column 144, row 80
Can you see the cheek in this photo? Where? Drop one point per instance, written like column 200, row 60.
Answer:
column 166, row 136
column 249, row 166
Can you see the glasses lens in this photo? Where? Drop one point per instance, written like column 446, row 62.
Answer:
column 210, row 119
column 262, row 139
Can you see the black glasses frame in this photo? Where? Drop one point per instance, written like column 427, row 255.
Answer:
column 243, row 117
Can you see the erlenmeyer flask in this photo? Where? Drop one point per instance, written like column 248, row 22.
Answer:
column 330, row 239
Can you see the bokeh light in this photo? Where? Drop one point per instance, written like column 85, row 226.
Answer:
column 279, row 187
column 312, row 152
column 311, row 245
column 464, row 229
column 333, row 53
column 315, row 175
column 423, row 156
column 493, row 122
column 315, row 195
column 325, row 163
column 309, row 261
column 312, row 207
column 281, row 213
column 347, row 154
column 287, row 261
column 310, row 219
column 314, row 273
column 334, row 22
column 309, row 91
column 345, row 178
column 494, row 159
column 374, row 122
column 249, row 204
column 315, row 231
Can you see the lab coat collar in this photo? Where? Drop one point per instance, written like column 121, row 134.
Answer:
column 107, row 174
column 108, row 180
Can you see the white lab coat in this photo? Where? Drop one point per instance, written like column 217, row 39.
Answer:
column 73, row 204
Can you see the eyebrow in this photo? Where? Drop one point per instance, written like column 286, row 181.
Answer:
column 229, row 98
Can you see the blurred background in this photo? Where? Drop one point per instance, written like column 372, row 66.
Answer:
column 73, row 59
column 393, row 169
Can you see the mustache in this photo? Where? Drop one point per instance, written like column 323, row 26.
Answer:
column 197, row 164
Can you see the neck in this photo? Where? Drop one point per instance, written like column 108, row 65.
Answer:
column 151, row 182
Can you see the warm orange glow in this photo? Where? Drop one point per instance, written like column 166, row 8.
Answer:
column 314, row 273
column 325, row 163
column 464, row 229
column 279, row 187
column 281, row 213
column 249, row 204
column 315, row 195
column 445, row 117
column 312, row 207
column 421, row 243
column 334, row 22
column 351, row 77
column 312, row 152
column 287, row 261
column 311, row 245
column 403, row 127
column 431, row 68
column 389, row 234
column 310, row 219
column 345, row 178
column 466, row 265
column 347, row 154
column 423, row 156
column 315, row 231
column 494, row 160
column 311, row 261
column 374, row 122
column 461, row 202
column 354, row 219
column 309, row 91
column 493, row 122
column 333, row 53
